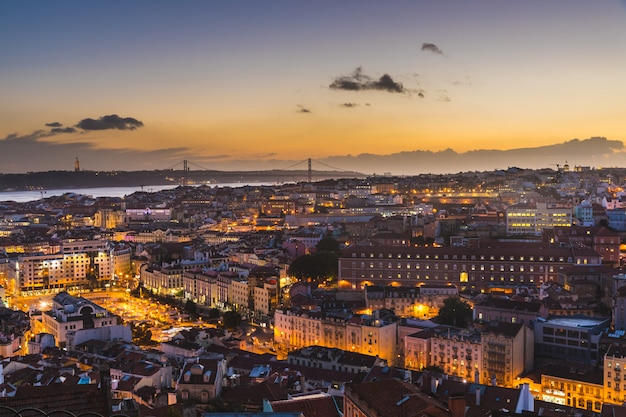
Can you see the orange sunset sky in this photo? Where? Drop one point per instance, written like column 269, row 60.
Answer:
column 246, row 84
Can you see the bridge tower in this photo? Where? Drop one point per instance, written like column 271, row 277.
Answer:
column 185, row 169
column 309, row 171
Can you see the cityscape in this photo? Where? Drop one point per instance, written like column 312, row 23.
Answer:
column 312, row 209
column 463, row 293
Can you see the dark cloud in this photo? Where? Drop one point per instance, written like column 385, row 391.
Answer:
column 112, row 121
column 63, row 130
column 348, row 105
column 431, row 47
column 302, row 109
column 54, row 124
column 358, row 81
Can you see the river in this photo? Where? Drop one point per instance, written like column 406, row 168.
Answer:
column 25, row 196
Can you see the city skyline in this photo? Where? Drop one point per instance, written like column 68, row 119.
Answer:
column 248, row 85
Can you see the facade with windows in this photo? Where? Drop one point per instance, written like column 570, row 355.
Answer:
column 78, row 263
column 366, row 334
column 476, row 268
column 570, row 338
column 578, row 387
column 532, row 219
column 615, row 374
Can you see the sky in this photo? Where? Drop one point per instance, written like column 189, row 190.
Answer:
column 134, row 85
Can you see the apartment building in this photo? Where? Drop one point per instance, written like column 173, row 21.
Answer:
column 240, row 290
column 417, row 349
column 532, row 219
column 420, row 302
column 476, row 268
column 458, row 353
column 77, row 263
column 366, row 334
column 334, row 359
column 614, row 362
column 168, row 280
column 507, row 352
column 200, row 286
column 266, row 297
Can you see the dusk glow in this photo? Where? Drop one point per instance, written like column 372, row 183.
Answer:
column 242, row 85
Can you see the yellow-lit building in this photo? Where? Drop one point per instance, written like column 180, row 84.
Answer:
column 367, row 334
column 507, row 352
column 78, row 263
column 574, row 386
column 531, row 219
column 69, row 314
column 458, row 353
column 615, row 374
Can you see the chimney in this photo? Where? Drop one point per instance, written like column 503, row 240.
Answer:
column 456, row 405
column 477, row 376
column 493, row 380
column 478, row 395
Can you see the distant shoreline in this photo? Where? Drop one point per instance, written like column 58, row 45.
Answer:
column 41, row 181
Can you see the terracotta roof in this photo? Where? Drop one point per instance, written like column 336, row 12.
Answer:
column 74, row 398
column 318, row 406
column 255, row 394
column 389, row 397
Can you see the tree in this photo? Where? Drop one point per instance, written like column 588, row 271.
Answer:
column 142, row 335
column 455, row 312
column 190, row 307
column 231, row 319
column 213, row 313
column 328, row 244
column 318, row 266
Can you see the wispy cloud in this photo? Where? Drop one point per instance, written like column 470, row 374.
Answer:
column 302, row 109
column 431, row 47
column 349, row 105
column 358, row 81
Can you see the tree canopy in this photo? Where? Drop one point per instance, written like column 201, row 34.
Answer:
column 318, row 266
column 328, row 244
column 455, row 312
column 231, row 319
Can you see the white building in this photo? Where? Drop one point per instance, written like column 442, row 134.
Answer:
column 77, row 263
column 532, row 219
column 70, row 314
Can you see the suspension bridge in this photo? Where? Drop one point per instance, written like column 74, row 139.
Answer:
column 186, row 168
